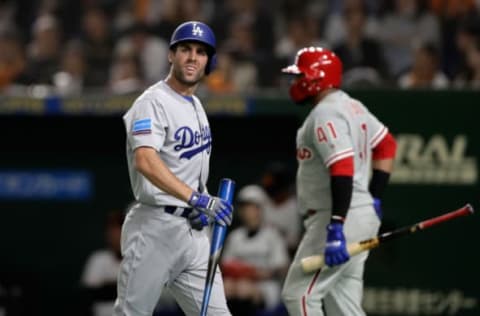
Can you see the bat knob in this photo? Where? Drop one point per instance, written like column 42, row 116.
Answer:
column 470, row 208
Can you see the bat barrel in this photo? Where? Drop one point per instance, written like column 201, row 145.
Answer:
column 225, row 191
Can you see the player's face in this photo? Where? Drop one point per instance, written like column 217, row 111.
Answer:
column 189, row 60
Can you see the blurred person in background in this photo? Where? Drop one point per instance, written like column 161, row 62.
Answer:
column 453, row 14
column 221, row 80
column 301, row 30
column 471, row 77
column 255, row 259
column 240, row 49
column 280, row 206
column 467, row 35
column 361, row 54
column 43, row 52
column 233, row 74
column 70, row 78
column 426, row 72
column 250, row 26
column 125, row 74
column 152, row 51
column 97, row 38
column 406, row 23
column 12, row 60
column 335, row 30
column 99, row 276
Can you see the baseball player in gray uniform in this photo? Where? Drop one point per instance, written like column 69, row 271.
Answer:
column 338, row 145
column 168, row 151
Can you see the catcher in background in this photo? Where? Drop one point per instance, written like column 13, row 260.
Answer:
column 255, row 258
column 338, row 144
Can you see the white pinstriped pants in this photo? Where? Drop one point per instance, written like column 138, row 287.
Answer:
column 161, row 250
column 332, row 291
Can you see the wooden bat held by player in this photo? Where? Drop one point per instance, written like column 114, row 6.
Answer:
column 225, row 191
column 313, row 263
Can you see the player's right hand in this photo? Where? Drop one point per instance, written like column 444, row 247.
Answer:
column 215, row 207
column 336, row 248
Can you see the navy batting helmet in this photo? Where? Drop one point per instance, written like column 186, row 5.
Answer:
column 198, row 32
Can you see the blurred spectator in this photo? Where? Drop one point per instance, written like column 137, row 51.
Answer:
column 221, row 80
column 99, row 277
column 233, row 74
column 335, row 28
column 452, row 8
column 125, row 74
column 12, row 59
column 152, row 51
column 69, row 80
column 468, row 33
column 250, row 27
column 301, row 31
column 7, row 15
column 453, row 14
column 358, row 51
column 425, row 72
column 281, row 205
column 255, row 258
column 403, row 26
column 248, row 31
column 98, row 43
column 471, row 77
column 44, row 50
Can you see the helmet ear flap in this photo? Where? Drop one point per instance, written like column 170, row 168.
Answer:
column 212, row 64
column 302, row 89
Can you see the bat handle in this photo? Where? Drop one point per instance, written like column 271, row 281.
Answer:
column 225, row 191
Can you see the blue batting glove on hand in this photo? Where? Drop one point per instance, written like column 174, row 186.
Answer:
column 198, row 220
column 215, row 207
column 336, row 249
column 377, row 205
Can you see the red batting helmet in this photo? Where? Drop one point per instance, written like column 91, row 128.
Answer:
column 321, row 69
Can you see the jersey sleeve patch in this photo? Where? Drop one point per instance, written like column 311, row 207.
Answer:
column 143, row 126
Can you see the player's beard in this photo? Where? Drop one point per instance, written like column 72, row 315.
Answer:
column 182, row 78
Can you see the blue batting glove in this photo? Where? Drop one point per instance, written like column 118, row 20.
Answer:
column 198, row 220
column 336, row 248
column 218, row 209
column 377, row 205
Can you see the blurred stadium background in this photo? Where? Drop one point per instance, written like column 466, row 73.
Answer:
column 69, row 69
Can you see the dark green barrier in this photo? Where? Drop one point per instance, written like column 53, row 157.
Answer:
column 44, row 244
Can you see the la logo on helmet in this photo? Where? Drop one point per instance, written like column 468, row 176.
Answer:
column 197, row 30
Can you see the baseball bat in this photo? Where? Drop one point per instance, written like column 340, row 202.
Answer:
column 316, row 262
column 225, row 191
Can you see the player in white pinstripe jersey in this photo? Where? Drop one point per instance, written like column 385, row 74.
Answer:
column 168, row 152
column 337, row 146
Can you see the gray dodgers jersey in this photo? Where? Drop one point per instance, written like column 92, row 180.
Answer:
column 336, row 128
column 178, row 130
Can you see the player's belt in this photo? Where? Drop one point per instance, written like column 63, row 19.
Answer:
column 309, row 213
column 177, row 210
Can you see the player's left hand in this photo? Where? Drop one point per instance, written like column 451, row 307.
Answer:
column 336, row 248
column 215, row 207
column 198, row 220
column 377, row 205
